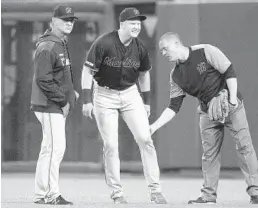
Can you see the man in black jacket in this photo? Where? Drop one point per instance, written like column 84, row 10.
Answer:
column 52, row 98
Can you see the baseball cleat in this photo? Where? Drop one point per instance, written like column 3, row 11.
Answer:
column 60, row 201
column 120, row 200
column 158, row 198
column 254, row 199
column 40, row 201
column 200, row 200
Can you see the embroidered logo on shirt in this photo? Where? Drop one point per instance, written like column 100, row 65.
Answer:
column 201, row 67
column 128, row 62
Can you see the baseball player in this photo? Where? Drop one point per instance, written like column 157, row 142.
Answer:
column 204, row 72
column 116, row 61
column 52, row 98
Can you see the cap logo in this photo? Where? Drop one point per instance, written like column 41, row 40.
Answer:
column 136, row 12
column 68, row 10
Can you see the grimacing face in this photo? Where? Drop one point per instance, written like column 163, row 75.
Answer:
column 65, row 26
column 169, row 49
column 132, row 27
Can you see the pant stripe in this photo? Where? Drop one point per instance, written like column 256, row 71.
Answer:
column 51, row 155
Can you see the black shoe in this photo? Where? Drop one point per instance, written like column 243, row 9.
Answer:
column 200, row 200
column 120, row 200
column 158, row 198
column 254, row 199
column 40, row 201
column 60, row 201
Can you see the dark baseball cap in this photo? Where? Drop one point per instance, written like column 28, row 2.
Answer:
column 131, row 13
column 64, row 12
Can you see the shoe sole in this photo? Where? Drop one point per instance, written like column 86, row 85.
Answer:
column 164, row 202
column 203, row 203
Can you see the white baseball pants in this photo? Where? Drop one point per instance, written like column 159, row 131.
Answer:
column 51, row 154
column 108, row 104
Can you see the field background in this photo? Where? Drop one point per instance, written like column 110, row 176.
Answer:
column 90, row 190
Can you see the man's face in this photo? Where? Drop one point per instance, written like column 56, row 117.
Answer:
column 169, row 49
column 132, row 27
column 65, row 26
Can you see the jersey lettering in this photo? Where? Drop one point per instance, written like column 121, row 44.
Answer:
column 128, row 62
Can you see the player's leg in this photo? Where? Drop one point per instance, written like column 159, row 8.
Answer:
column 239, row 129
column 57, row 125
column 50, row 156
column 136, row 118
column 106, row 114
column 212, row 136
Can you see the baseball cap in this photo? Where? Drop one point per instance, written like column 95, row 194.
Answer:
column 64, row 12
column 130, row 13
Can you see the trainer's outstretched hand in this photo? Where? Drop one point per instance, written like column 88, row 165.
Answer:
column 152, row 129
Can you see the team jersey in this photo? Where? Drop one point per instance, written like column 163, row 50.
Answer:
column 202, row 75
column 117, row 66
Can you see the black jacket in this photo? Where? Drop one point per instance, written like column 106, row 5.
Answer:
column 52, row 84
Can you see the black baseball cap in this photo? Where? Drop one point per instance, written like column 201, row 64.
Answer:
column 64, row 12
column 130, row 13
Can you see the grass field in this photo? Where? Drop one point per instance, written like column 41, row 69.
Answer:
column 90, row 190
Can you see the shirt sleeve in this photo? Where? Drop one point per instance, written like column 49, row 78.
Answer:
column 216, row 58
column 175, row 90
column 145, row 63
column 95, row 55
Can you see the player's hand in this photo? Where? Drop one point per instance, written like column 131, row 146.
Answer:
column 147, row 108
column 233, row 102
column 66, row 109
column 76, row 95
column 87, row 110
column 152, row 129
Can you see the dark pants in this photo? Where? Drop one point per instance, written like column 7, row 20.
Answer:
column 212, row 134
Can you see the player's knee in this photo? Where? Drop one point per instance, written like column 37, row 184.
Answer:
column 110, row 147
column 144, row 140
column 245, row 147
column 60, row 151
column 46, row 150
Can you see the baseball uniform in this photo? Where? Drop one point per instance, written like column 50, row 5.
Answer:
column 116, row 93
column 203, row 75
column 52, row 89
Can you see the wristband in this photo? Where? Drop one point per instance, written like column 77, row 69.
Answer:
column 86, row 95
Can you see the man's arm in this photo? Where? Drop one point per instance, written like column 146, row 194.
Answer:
column 86, row 84
column 221, row 63
column 176, row 99
column 144, row 81
column 168, row 114
column 232, row 88
column 144, row 84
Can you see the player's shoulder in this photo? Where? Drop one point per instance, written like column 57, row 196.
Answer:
column 205, row 47
column 140, row 42
column 104, row 38
column 46, row 47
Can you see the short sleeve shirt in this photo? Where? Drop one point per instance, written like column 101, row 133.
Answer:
column 201, row 75
column 117, row 66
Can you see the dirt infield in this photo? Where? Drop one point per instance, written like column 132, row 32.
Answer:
column 90, row 191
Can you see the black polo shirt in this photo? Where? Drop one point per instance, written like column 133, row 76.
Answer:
column 202, row 75
column 117, row 66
